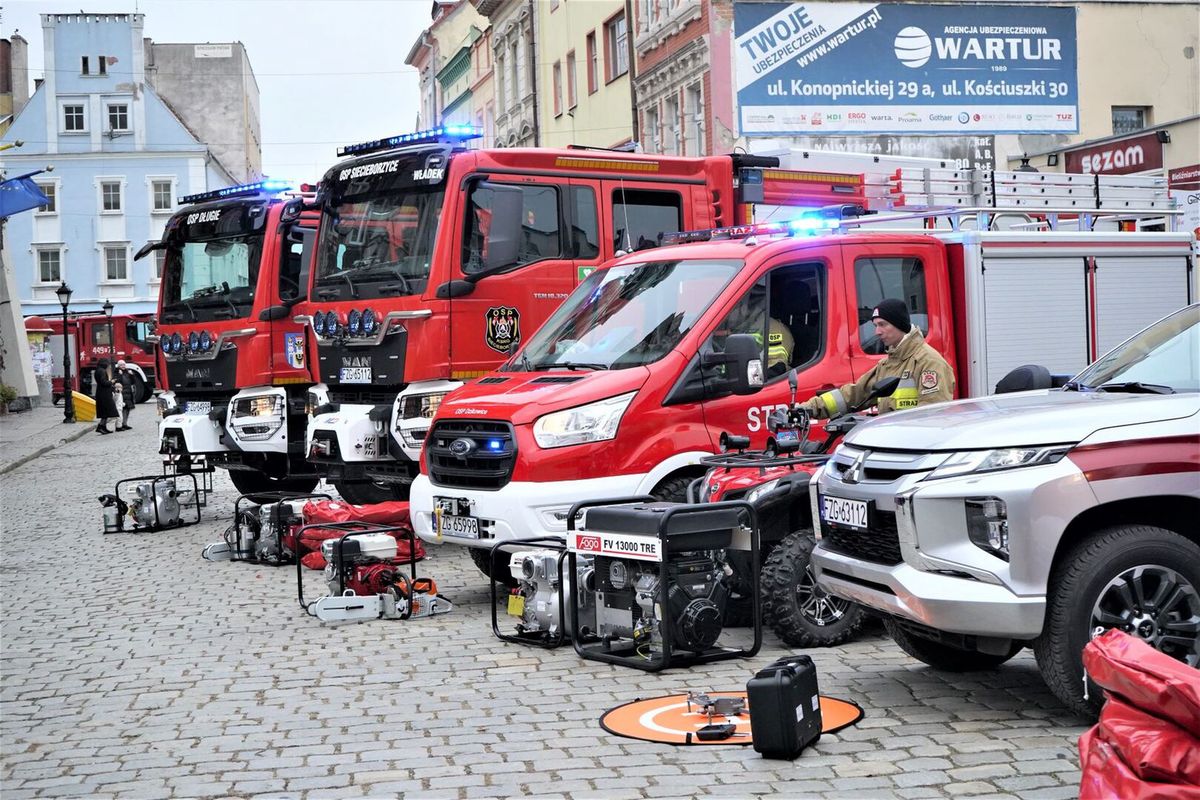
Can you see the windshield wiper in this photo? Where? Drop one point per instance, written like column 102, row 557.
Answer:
column 1072, row 386
column 186, row 304
column 571, row 365
column 1136, row 387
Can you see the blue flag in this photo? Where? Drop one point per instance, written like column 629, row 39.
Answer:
column 20, row 194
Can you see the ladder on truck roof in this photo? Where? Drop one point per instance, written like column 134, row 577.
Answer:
column 1052, row 198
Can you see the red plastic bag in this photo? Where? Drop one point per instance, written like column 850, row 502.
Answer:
column 1153, row 748
column 390, row 513
column 1145, row 678
column 1106, row 776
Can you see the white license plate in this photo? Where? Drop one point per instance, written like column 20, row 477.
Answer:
column 355, row 375
column 197, row 407
column 466, row 527
column 840, row 511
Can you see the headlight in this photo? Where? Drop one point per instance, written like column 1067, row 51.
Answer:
column 206, row 340
column 331, row 323
column 421, row 406
column 759, row 491
column 319, row 323
column 176, row 343
column 987, row 524
column 368, row 322
column 164, row 404
column 354, row 322
column 165, row 344
column 193, row 341
column 973, row 461
column 594, row 422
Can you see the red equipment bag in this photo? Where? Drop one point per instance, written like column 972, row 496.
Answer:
column 1145, row 678
column 390, row 513
column 1106, row 776
column 1147, row 743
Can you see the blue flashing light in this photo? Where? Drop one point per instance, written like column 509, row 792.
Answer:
column 319, row 323
column 812, row 221
column 444, row 133
column 176, row 343
column 193, row 341
column 206, row 340
column 354, row 321
column 265, row 186
column 368, row 322
column 495, row 445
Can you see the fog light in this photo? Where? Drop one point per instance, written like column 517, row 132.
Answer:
column 987, row 524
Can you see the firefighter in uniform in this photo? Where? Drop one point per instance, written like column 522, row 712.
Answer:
column 925, row 377
column 779, row 347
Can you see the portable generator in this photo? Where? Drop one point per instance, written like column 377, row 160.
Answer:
column 660, row 577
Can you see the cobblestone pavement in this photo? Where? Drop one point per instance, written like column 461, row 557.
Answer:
column 29, row 433
column 132, row 668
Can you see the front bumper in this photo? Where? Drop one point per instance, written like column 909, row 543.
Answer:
column 935, row 575
column 191, row 433
column 519, row 510
column 347, row 435
column 257, row 420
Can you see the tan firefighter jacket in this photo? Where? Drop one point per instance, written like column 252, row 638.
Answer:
column 924, row 375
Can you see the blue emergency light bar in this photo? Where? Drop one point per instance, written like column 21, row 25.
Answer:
column 811, row 221
column 444, row 133
column 266, row 186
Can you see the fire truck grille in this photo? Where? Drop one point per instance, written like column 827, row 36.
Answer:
column 880, row 544
column 361, row 397
column 475, row 454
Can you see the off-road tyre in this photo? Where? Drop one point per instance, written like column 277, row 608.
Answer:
column 248, row 482
column 673, row 490
column 141, row 392
column 497, row 570
column 366, row 493
column 942, row 656
column 1079, row 581
column 786, row 575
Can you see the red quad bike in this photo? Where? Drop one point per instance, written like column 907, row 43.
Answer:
column 775, row 481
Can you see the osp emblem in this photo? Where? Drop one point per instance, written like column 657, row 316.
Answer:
column 503, row 328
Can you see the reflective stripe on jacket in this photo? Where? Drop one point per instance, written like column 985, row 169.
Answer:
column 924, row 375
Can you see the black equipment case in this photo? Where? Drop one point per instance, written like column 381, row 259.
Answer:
column 785, row 707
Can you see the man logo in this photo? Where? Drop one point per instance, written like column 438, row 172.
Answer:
column 913, row 47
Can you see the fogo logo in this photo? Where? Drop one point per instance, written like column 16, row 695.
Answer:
column 914, row 47
column 589, row 543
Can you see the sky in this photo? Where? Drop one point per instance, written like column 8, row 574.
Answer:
column 329, row 72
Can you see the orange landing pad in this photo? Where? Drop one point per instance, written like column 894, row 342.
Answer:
column 667, row 720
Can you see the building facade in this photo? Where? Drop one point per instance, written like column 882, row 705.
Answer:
column 583, row 73
column 513, row 40
column 14, row 79
column 212, row 89
column 121, row 157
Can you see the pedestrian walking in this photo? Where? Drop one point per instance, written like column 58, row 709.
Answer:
column 106, row 402
column 128, row 388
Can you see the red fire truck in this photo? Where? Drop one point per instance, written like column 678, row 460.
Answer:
column 626, row 386
column 434, row 262
column 235, row 366
column 92, row 336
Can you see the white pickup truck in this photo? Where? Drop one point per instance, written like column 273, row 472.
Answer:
column 1037, row 519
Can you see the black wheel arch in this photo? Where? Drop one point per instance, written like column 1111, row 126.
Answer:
column 1169, row 512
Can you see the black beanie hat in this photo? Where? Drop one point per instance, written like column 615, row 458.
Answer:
column 895, row 312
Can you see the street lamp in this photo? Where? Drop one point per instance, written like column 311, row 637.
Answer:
column 64, row 299
column 112, row 346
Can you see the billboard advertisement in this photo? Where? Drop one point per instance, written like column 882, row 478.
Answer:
column 851, row 68
column 1133, row 154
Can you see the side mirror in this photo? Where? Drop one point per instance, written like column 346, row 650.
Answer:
column 272, row 313
column 885, row 388
column 149, row 247
column 504, row 232
column 743, row 354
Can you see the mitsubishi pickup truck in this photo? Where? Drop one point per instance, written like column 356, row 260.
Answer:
column 1037, row 519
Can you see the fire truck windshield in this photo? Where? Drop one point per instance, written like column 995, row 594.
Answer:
column 627, row 316
column 381, row 243
column 210, row 280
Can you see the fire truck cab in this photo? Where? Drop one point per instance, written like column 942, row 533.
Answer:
column 435, row 262
column 234, row 365
column 95, row 336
